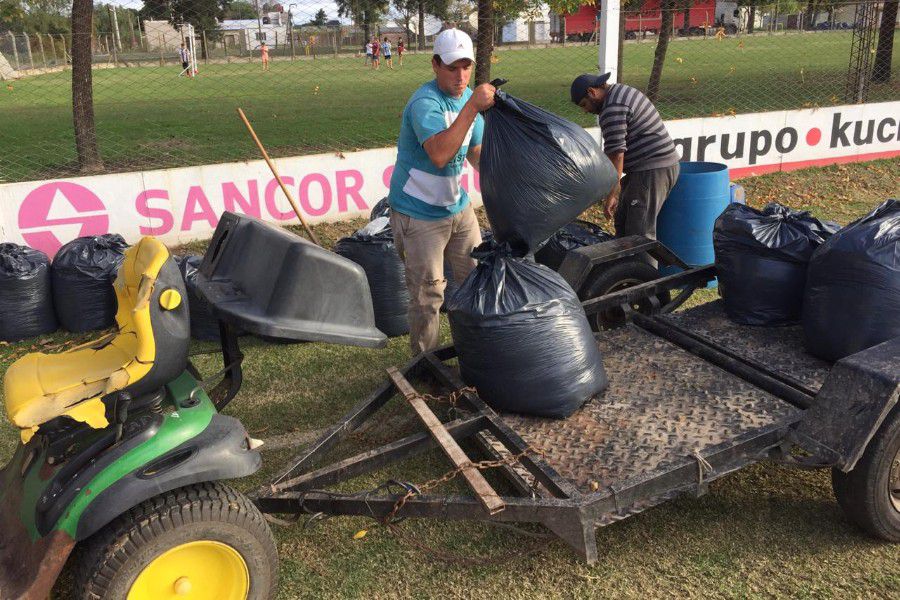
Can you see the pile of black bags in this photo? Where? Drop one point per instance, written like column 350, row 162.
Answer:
column 382, row 208
column 852, row 298
column 83, row 272
column 523, row 339
column 372, row 248
column 571, row 237
column 538, row 172
column 26, row 301
column 204, row 325
column 761, row 261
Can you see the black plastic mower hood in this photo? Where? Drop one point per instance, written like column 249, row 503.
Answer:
column 270, row 282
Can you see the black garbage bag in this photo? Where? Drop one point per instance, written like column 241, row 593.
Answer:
column 372, row 248
column 852, row 299
column 761, row 260
column 382, row 208
column 571, row 237
column 26, row 299
column 522, row 337
column 204, row 325
column 452, row 286
column 538, row 172
column 83, row 272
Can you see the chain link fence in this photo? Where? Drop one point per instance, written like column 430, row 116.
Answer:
column 320, row 92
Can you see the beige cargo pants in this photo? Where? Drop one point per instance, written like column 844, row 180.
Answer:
column 423, row 246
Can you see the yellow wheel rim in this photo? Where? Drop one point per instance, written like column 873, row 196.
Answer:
column 196, row 571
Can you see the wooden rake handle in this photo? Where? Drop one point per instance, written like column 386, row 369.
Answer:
column 284, row 189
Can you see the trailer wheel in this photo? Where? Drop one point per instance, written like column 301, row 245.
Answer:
column 615, row 277
column 203, row 541
column 870, row 493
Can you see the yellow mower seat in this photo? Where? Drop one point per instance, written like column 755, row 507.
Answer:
column 152, row 339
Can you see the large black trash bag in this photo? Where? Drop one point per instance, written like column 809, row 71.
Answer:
column 204, row 324
column 372, row 248
column 26, row 300
column 522, row 337
column 852, row 299
column 538, row 172
column 382, row 208
column 83, row 272
column 761, row 260
column 571, row 237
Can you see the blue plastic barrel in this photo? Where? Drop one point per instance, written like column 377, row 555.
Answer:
column 685, row 223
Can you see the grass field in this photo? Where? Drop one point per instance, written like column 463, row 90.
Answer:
column 148, row 117
column 766, row 531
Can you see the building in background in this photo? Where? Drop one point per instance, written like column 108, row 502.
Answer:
column 248, row 34
column 532, row 27
column 161, row 34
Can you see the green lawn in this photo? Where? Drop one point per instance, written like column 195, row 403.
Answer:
column 147, row 117
column 762, row 532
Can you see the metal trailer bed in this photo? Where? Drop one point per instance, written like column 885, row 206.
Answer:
column 692, row 397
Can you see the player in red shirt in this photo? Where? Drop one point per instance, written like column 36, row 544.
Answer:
column 376, row 52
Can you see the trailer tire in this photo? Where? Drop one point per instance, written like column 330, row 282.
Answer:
column 208, row 522
column 614, row 277
column 870, row 494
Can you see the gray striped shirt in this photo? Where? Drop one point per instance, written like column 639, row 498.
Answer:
column 631, row 124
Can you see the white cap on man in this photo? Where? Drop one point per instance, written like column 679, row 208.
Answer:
column 452, row 45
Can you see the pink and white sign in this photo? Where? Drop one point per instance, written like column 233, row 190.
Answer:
column 179, row 205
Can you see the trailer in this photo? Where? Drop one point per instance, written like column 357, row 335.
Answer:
column 701, row 17
column 131, row 471
column 692, row 398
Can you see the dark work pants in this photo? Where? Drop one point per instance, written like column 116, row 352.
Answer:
column 641, row 198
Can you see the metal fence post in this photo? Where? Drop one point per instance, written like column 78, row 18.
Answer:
column 28, row 48
column 52, row 47
column 608, row 46
column 12, row 39
column 62, row 39
column 41, row 46
column 113, row 50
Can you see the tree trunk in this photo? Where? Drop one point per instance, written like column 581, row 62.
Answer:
column 82, row 87
column 810, row 15
column 621, row 46
column 751, row 19
column 562, row 28
column 421, row 36
column 881, row 72
column 686, row 18
column 485, row 41
column 662, row 44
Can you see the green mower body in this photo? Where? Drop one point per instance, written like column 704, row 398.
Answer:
column 65, row 485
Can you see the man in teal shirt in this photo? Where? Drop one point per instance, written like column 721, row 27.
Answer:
column 431, row 216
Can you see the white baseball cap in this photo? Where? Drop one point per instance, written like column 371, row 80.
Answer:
column 452, row 45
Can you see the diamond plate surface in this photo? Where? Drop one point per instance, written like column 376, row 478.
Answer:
column 778, row 348
column 663, row 404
